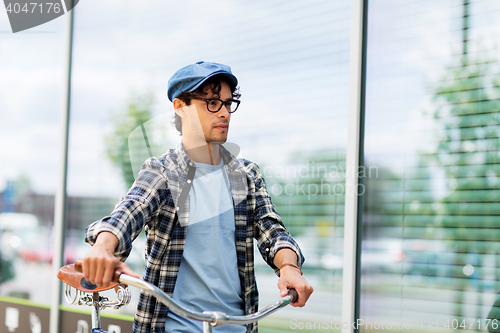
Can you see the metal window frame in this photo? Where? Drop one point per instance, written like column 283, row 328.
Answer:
column 58, row 230
column 354, row 160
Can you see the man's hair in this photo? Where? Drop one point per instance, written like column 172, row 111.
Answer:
column 211, row 85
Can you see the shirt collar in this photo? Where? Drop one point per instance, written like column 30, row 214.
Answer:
column 229, row 160
column 181, row 157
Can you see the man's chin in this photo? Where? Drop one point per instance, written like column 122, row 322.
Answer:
column 217, row 140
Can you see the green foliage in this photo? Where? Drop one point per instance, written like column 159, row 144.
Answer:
column 138, row 111
column 469, row 100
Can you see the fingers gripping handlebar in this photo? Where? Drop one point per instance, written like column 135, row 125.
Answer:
column 116, row 279
column 79, row 268
column 213, row 318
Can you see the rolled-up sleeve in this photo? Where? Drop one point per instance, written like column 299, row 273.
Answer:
column 269, row 229
column 135, row 210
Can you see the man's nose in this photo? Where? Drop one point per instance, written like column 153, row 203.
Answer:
column 224, row 111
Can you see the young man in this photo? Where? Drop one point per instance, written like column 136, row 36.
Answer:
column 201, row 208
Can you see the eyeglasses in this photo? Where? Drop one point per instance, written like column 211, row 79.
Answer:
column 215, row 104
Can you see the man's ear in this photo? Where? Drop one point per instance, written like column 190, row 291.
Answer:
column 179, row 107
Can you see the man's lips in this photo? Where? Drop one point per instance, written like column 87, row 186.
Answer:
column 222, row 126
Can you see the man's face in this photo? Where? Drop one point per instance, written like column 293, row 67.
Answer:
column 208, row 126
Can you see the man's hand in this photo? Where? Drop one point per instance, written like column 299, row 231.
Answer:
column 291, row 277
column 100, row 264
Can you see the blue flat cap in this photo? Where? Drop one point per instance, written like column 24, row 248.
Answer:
column 189, row 78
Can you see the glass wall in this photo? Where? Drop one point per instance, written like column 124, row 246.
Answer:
column 30, row 106
column 430, row 198
column 291, row 59
column 430, row 255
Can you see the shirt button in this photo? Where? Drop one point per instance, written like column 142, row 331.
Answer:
column 189, row 181
column 191, row 163
column 177, row 208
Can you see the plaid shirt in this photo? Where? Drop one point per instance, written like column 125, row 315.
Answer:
column 151, row 203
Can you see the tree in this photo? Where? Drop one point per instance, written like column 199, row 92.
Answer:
column 124, row 122
column 468, row 141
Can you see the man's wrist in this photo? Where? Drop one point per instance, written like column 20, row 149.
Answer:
column 107, row 240
column 291, row 265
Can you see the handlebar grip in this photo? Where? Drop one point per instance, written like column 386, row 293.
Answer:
column 293, row 294
column 79, row 268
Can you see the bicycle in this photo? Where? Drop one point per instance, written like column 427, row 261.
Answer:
column 73, row 277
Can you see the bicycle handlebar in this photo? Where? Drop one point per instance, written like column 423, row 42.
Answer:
column 213, row 317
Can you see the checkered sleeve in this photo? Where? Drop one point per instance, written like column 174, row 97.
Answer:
column 135, row 210
column 269, row 230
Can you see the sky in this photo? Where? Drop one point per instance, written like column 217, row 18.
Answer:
column 30, row 102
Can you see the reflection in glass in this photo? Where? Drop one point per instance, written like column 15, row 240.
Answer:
column 429, row 250
column 30, row 107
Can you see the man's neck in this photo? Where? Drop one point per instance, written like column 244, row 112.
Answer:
column 207, row 154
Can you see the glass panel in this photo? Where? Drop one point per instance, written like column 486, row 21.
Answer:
column 30, row 108
column 429, row 253
column 291, row 59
